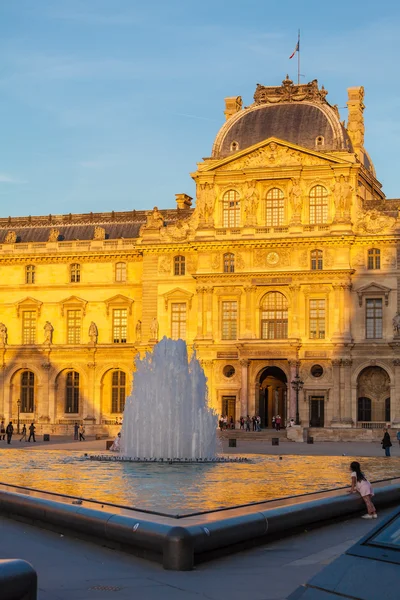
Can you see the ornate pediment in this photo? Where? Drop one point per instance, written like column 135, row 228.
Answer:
column 373, row 289
column 273, row 153
column 73, row 302
column 177, row 295
column 28, row 304
column 119, row 301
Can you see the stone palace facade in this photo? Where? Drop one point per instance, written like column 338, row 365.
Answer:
column 287, row 264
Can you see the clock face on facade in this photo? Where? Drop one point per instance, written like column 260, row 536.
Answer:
column 272, row 258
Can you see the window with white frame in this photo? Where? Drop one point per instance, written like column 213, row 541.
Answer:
column 178, row 320
column 229, row 319
column 374, row 258
column 75, row 273
column 318, row 205
column 120, row 325
column 29, row 319
column 373, row 318
column 231, row 209
column 317, row 319
column 274, row 316
column 120, row 272
column 74, row 321
column 275, row 208
column 30, row 272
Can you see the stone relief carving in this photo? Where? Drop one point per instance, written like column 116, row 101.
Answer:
column 288, row 92
column 373, row 221
column 251, row 201
column 329, row 258
column 3, row 334
column 139, row 331
column 11, row 237
column 215, row 261
column 155, row 220
column 389, row 258
column 259, row 258
column 273, row 155
column 191, row 262
column 374, row 382
column 164, row 265
column 179, row 231
column 53, row 235
column 93, row 332
column 99, row 233
column 304, row 258
column 295, row 198
column 48, row 333
column 239, row 261
column 358, row 260
column 154, row 329
column 342, row 192
column 396, row 324
column 205, row 202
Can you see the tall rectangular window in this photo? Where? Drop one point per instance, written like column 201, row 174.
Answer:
column 229, row 320
column 178, row 321
column 374, row 258
column 120, row 325
column 75, row 273
column 316, row 260
column 74, row 326
column 30, row 274
column 231, row 209
column 317, row 319
column 29, row 327
column 275, row 206
column 118, row 392
column 120, row 272
column 374, row 317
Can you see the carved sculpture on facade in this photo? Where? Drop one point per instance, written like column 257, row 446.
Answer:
column 342, row 192
column 10, row 238
column 374, row 383
column 177, row 232
column 48, row 333
column 289, row 92
column 396, row 324
column 164, row 265
column 373, row 221
column 139, row 331
column 53, row 235
column 93, row 332
column 154, row 329
column 272, row 155
column 295, row 197
column 3, row 334
column 99, row 233
column 251, row 201
column 155, row 220
column 205, row 202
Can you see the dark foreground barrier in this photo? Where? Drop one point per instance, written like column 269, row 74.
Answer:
column 179, row 544
column 18, row 580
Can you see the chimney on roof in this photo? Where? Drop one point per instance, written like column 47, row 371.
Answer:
column 233, row 104
column 183, row 201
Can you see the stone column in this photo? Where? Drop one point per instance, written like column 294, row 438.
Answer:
column 395, row 401
column 346, row 307
column 89, row 409
column 200, row 302
column 294, row 365
column 244, row 397
column 346, row 410
column 207, row 307
column 337, row 309
column 45, row 401
column 52, row 402
column 335, row 398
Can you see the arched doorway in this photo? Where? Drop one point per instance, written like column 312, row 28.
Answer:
column 272, row 395
column 373, row 395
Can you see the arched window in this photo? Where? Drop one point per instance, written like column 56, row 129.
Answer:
column 72, row 392
column 374, row 258
column 120, row 272
column 234, row 146
column 275, row 205
column 27, row 392
column 316, row 260
column 75, row 273
column 30, row 274
column 118, row 391
column 274, row 316
column 231, row 209
column 179, row 265
column 364, row 409
column 229, row 263
column 318, row 205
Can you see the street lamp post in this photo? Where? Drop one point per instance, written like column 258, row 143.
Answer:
column 297, row 385
column 18, row 407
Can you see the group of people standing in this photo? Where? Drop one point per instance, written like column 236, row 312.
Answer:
column 9, row 432
column 79, row 432
column 276, row 422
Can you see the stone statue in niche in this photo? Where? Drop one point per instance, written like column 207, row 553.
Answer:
column 154, row 329
column 251, row 200
column 396, row 324
column 99, row 233
column 205, row 201
column 139, row 331
column 11, row 237
column 342, row 191
column 93, row 332
column 3, row 334
column 48, row 333
column 295, row 195
column 53, row 235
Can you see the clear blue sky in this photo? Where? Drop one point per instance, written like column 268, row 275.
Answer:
column 109, row 104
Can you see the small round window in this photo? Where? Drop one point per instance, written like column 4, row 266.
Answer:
column 229, row 371
column 317, row 371
column 234, row 146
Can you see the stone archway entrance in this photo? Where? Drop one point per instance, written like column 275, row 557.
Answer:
column 373, row 396
column 272, row 395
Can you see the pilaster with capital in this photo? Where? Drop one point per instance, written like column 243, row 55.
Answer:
column 244, row 391
column 208, row 312
column 295, row 326
column 249, row 317
column 346, row 291
column 346, row 399
column 395, row 404
column 336, row 391
column 200, row 312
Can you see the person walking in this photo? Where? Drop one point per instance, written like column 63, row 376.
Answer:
column 386, row 442
column 76, row 431
column 32, row 432
column 360, row 484
column 81, row 433
column 278, row 423
column 2, row 431
column 248, row 421
column 9, row 432
column 23, row 437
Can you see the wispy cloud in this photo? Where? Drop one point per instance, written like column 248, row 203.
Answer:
column 5, row 178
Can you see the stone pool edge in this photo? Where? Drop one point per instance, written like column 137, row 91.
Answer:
column 180, row 546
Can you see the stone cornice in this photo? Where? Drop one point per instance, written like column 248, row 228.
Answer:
column 68, row 258
column 247, row 277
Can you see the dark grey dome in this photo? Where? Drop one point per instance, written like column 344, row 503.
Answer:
column 316, row 127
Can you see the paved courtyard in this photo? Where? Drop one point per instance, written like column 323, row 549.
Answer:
column 69, row 568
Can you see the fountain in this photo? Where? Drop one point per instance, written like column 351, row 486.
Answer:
column 167, row 414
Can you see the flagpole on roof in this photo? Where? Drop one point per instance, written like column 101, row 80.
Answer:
column 298, row 59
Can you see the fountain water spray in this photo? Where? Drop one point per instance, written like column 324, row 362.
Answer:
column 167, row 414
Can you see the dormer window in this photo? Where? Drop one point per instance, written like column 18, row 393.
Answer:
column 234, row 146
column 319, row 141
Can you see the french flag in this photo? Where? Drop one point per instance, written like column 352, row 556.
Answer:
column 295, row 50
